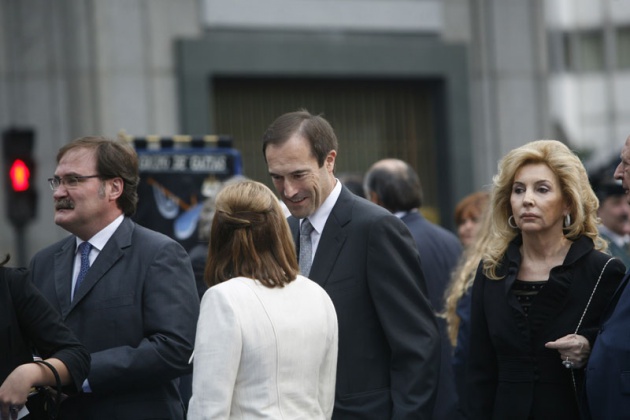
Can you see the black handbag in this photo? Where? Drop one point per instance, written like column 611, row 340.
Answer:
column 43, row 403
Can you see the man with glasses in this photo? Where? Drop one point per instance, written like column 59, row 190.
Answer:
column 128, row 293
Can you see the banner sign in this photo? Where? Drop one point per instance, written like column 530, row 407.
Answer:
column 174, row 183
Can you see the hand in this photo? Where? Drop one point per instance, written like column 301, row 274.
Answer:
column 14, row 391
column 574, row 350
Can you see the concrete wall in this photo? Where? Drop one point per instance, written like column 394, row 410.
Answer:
column 509, row 94
column 71, row 68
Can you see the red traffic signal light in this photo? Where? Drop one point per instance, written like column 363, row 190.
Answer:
column 20, row 175
column 20, row 169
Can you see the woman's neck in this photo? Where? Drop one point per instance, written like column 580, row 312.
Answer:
column 540, row 253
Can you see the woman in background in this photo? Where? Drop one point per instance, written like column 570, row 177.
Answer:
column 458, row 302
column 468, row 215
column 266, row 344
column 539, row 273
column 29, row 325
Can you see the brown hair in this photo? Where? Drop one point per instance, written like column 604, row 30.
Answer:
column 314, row 128
column 250, row 237
column 114, row 159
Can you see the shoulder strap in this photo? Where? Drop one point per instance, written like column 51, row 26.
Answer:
column 592, row 294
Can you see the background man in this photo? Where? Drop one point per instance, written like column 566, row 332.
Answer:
column 365, row 258
column 136, row 307
column 394, row 185
column 614, row 212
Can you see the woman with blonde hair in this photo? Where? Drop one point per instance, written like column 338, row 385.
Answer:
column 539, row 293
column 470, row 218
column 458, row 302
column 266, row 344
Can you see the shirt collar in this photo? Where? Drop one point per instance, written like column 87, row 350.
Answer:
column 319, row 217
column 401, row 214
column 99, row 240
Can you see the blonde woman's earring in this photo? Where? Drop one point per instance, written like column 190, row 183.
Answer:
column 512, row 222
column 567, row 220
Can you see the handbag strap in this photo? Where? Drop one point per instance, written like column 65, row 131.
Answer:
column 575, row 391
column 592, row 294
column 58, row 390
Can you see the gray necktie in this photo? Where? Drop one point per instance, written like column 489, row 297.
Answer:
column 306, row 247
column 84, row 249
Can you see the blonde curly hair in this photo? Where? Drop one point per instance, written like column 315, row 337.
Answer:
column 574, row 185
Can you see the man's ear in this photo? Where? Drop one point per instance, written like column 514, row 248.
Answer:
column 374, row 198
column 330, row 160
column 116, row 186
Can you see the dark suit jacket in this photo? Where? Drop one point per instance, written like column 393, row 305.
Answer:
column 198, row 257
column 388, row 341
column 608, row 370
column 511, row 373
column 136, row 312
column 440, row 250
column 29, row 324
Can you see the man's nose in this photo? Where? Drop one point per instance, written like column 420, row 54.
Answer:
column 60, row 191
column 618, row 171
column 290, row 189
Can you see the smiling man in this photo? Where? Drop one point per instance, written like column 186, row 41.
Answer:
column 366, row 259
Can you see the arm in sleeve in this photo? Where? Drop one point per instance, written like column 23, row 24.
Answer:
column 218, row 348
column 482, row 374
column 169, row 312
column 398, row 290
column 44, row 327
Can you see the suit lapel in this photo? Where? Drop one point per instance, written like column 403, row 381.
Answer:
column 63, row 264
column 294, row 225
column 333, row 238
column 109, row 255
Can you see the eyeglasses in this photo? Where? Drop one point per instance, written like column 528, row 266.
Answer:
column 68, row 181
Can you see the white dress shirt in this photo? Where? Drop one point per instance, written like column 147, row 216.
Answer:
column 320, row 216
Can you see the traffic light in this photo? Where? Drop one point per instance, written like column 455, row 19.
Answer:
column 19, row 167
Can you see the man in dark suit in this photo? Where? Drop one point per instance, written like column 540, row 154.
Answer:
column 365, row 258
column 394, row 185
column 607, row 380
column 129, row 293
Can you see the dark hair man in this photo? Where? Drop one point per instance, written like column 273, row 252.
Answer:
column 128, row 293
column 394, row 185
column 365, row 258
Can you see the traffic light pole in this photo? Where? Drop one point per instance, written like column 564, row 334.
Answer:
column 20, row 246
